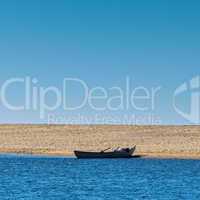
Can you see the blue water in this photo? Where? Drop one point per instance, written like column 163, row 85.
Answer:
column 26, row 177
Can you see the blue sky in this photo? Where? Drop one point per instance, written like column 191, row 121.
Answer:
column 155, row 43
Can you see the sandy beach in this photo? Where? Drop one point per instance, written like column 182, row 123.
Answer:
column 151, row 141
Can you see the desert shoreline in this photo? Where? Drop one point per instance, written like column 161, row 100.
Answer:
column 27, row 152
column 71, row 155
column 181, row 142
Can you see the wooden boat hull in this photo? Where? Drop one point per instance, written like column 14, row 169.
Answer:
column 96, row 155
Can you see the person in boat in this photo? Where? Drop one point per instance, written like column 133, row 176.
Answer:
column 126, row 150
column 118, row 149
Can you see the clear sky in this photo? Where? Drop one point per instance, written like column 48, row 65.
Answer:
column 154, row 43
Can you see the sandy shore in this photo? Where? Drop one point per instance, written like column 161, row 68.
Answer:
column 151, row 141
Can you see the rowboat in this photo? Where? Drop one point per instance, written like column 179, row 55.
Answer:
column 117, row 153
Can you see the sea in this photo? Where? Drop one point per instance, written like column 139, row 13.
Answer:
column 39, row 177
